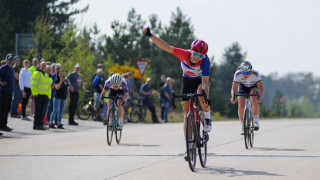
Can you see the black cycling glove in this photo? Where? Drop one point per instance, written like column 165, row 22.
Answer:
column 148, row 33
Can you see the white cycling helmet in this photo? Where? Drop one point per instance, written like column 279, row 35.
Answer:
column 116, row 79
column 245, row 66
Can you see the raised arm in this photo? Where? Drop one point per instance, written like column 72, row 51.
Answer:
column 158, row 41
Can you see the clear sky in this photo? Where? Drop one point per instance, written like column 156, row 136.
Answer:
column 279, row 36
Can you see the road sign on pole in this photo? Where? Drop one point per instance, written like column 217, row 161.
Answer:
column 142, row 66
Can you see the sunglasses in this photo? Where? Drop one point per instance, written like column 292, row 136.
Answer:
column 115, row 86
column 245, row 72
column 198, row 55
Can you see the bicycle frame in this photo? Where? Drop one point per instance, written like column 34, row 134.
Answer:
column 249, row 107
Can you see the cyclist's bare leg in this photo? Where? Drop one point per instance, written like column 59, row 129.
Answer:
column 121, row 110
column 241, row 105
column 185, row 108
column 109, row 106
column 205, row 107
column 255, row 105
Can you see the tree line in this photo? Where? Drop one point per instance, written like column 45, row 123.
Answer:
column 60, row 40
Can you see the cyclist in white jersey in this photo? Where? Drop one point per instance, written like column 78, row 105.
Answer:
column 247, row 81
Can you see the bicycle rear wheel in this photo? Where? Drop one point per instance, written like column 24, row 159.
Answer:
column 83, row 110
column 110, row 126
column 246, row 129
column 251, row 129
column 191, row 142
column 204, row 137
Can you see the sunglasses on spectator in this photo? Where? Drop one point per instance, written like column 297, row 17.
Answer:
column 201, row 56
column 245, row 72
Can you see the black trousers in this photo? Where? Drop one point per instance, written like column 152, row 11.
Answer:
column 25, row 100
column 40, row 102
column 5, row 104
column 74, row 96
column 147, row 102
column 162, row 109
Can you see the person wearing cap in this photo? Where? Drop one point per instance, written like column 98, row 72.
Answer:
column 146, row 91
column 97, row 83
column 17, row 91
column 6, row 90
column 74, row 79
column 40, row 88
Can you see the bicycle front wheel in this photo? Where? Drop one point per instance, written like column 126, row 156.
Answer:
column 246, row 129
column 251, row 129
column 118, row 132
column 191, row 142
column 83, row 110
column 204, row 138
column 110, row 126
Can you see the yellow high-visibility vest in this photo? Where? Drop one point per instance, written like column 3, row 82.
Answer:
column 40, row 84
column 50, row 83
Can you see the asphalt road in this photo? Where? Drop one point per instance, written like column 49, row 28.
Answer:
column 284, row 149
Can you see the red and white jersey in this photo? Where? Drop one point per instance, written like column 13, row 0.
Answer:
column 191, row 71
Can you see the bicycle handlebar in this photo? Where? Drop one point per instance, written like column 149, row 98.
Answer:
column 112, row 97
column 187, row 96
column 246, row 95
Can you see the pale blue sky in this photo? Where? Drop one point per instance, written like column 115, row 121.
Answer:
column 279, row 35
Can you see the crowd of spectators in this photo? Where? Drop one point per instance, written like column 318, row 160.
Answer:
column 49, row 90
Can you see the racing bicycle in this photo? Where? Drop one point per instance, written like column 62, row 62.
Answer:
column 138, row 110
column 112, row 121
column 194, row 130
column 248, row 122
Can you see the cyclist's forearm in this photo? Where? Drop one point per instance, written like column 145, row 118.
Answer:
column 161, row 44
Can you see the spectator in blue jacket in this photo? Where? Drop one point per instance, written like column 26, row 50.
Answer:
column 97, row 83
column 6, row 89
column 166, row 97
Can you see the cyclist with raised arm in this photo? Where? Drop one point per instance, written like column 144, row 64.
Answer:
column 117, row 85
column 195, row 65
column 247, row 81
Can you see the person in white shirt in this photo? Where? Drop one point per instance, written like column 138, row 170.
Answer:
column 247, row 81
column 25, row 87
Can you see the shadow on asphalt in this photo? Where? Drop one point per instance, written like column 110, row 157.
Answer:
column 276, row 149
column 141, row 145
column 231, row 172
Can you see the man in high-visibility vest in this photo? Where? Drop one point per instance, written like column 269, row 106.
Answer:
column 40, row 87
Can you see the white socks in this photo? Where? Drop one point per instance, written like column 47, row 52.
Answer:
column 256, row 119
column 121, row 120
column 207, row 115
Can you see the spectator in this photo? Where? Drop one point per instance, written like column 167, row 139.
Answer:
column 97, row 83
column 74, row 86
column 60, row 97
column 40, row 90
column 33, row 69
column 25, row 87
column 54, row 69
column 45, row 108
column 3, row 62
column 53, row 77
column 6, row 90
column 162, row 82
column 17, row 91
column 166, row 97
column 146, row 91
column 130, row 82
